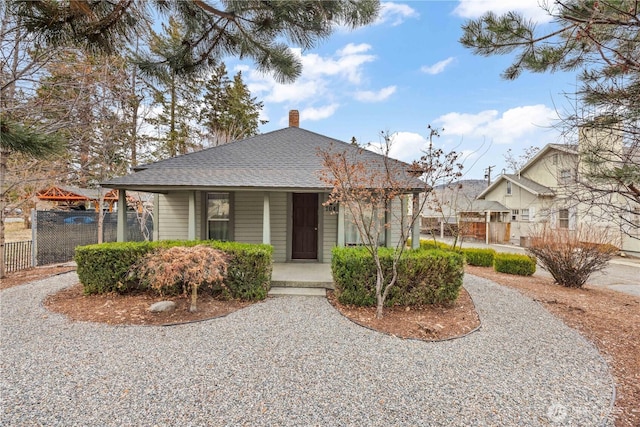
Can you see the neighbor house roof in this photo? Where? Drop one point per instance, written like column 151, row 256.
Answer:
column 564, row 148
column 528, row 184
column 283, row 159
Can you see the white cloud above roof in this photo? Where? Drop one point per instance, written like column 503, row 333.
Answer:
column 438, row 67
column 530, row 9
column 375, row 96
column 507, row 128
column 395, row 13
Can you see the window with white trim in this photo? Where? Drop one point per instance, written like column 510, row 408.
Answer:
column 218, row 216
column 566, row 176
column 563, row 218
column 514, row 214
column 509, row 188
column 524, row 216
column 373, row 225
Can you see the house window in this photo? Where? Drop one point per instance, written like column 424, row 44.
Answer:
column 352, row 236
column 508, row 188
column 555, row 159
column 565, row 176
column 525, row 215
column 218, row 216
column 514, row 214
column 563, row 218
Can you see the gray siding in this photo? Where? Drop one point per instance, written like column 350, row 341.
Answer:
column 330, row 230
column 248, row 209
column 396, row 229
column 173, row 215
column 278, row 211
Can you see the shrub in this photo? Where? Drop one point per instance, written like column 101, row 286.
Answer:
column 434, row 244
column 522, row 265
column 479, row 257
column 424, row 276
column 106, row 267
column 186, row 267
column 572, row 256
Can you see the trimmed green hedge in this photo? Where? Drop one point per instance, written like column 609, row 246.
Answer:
column 522, row 265
column 479, row 257
column 434, row 244
column 424, row 276
column 106, row 267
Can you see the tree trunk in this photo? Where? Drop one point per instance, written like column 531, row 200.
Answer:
column 3, row 169
column 100, row 217
column 194, row 298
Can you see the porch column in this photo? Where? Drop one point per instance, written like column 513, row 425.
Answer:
column 340, row 225
column 121, row 230
column 487, row 221
column 415, row 233
column 156, row 217
column 191, row 227
column 266, row 219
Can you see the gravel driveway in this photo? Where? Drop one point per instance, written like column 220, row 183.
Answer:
column 296, row 361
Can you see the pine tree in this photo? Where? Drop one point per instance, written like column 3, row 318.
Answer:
column 254, row 29
column 229, row 112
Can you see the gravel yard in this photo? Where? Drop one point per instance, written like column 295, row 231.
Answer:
column 296, row 361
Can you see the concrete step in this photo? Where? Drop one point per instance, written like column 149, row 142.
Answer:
column 278, row 291
column 292, row 283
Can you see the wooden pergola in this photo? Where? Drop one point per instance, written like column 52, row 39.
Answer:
column 75, row 195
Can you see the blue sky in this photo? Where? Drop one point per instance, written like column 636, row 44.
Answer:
column 407, row 71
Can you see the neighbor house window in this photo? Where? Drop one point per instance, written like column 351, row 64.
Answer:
column 509, row 188
column 525, row 215
column 218, row 216
column 514, row 214
column 565, row 176
column 563, row 218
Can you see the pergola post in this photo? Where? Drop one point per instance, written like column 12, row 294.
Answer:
column 340, row 225
column 121, row 230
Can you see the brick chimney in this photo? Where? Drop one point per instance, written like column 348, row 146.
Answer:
column 294, row 118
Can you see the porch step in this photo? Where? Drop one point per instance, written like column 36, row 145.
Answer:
column 293, row 283
column 292, row 291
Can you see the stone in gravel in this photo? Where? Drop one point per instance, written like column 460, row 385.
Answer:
column 162, row 306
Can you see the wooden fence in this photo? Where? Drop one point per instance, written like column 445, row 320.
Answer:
column 17, row 256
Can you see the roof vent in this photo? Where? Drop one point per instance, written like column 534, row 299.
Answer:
column 294, row 118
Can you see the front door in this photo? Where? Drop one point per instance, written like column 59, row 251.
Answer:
column 305, row 226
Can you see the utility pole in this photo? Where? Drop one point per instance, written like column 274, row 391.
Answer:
column 487, row 174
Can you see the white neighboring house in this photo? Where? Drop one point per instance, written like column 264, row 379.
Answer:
column 546, row 190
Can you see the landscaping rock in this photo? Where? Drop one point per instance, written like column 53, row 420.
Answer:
column 162, row 306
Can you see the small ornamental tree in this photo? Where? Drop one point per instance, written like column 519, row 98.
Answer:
column 572, row 256
column 367, row 187
column 188, row 267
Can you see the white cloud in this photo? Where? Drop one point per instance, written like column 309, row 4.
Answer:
column 320, row 79
column 395, row 13
column 407, row 146
column 318, row 113
column 371, row 96
column 530, row 9
column 513, row 126
column 438, row 67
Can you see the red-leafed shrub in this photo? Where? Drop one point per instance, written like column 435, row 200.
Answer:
column 185, row 268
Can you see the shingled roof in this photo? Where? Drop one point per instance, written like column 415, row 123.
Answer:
column 283, row 159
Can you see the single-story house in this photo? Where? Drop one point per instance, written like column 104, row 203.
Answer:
column 262, row 189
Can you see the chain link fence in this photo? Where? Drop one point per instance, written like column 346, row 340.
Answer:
column 57, row 233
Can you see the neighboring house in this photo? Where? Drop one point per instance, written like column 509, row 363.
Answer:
column 546, row 190
column 263, row 189
column 454, row 210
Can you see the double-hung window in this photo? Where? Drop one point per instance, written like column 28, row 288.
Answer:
column 218, row 210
